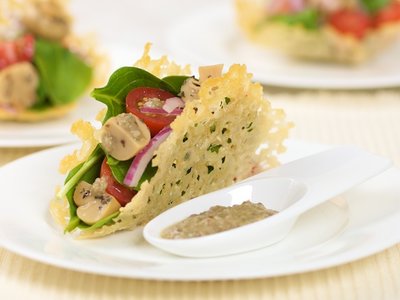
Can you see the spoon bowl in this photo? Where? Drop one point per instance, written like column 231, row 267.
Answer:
column 290, row 189
column 274, row 193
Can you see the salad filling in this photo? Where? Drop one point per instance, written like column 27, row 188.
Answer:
column 128, row 141
column 349, row 17
column 165, row 139
column 344, row 31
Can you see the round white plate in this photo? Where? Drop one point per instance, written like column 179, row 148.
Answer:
column 331, row 234
column 48, row 133
column 212, row 36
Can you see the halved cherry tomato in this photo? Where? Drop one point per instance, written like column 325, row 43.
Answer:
column 352, row 22
column 135, row 100
column 390, row 13
column 19, row 50
column 121, row 193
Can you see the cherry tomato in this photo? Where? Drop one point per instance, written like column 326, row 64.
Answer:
column 351, row 22
column 390, row 13
column 134, row 101
column 121, row 193
column 19, row 50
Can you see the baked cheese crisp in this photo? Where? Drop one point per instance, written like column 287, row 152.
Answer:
column 229, row 133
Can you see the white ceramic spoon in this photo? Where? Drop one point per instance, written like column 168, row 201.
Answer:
column 291, row 189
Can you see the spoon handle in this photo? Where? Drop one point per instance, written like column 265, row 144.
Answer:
column 330, row 173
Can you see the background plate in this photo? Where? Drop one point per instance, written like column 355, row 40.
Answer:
column 329, row 235
column 48, row 133
column 212, row 36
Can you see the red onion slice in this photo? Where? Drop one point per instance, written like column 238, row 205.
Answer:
column 153, row 110
column 160, row 111
column 285, row 6
column 143, row 158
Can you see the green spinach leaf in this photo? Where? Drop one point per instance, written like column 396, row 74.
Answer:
column 373, row 6
column 118, row 168
column 64, row 76
column 175, row 83
column 87, row 171
column 309, row 19
column 148, row 173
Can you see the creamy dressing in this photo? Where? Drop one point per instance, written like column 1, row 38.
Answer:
column 217, row 219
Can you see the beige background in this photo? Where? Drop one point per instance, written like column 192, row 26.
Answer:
column 368, row 119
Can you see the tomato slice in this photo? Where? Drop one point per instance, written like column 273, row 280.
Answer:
column 352, row 22
column 136, row 98
column 390, row 13
column 19, row 50
column 123, row 194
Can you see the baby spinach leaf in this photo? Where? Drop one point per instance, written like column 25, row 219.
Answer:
column 175, row 83
column 87, row 171
column 148, row 173
column 118, row 168
column 373, row 6
column 308, row 18
column 64, row 76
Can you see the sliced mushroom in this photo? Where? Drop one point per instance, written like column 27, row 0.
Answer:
column 83, row 193
column 48, row 19
column 18, row 84
column 101, row 207
column 213, row 71
column 190, row 89
column 124, row 135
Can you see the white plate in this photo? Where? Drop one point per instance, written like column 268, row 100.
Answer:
column 48, row 133
column 329, row 235
column 211, row 36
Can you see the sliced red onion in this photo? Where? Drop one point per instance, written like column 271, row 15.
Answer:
column 153, row 110
column 297, row 5
column 160, row 111
column 172, row 103
column 285, row 6
column 143, row 158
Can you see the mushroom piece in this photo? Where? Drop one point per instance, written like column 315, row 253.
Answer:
column 124, row 135
column 102, row 206
column 18, row 84
column 213, row 71
column 48, row 19
column 83, row 193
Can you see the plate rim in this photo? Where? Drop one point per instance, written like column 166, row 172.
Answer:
column 140, row 274
column 223, row 9
column 86, row 108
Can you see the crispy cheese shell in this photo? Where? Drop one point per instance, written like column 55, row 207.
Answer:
column 213, row 144
column 325, row 44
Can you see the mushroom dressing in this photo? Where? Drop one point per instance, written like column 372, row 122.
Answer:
column 217, row 219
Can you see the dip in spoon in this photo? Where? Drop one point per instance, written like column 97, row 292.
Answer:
column 290, row 189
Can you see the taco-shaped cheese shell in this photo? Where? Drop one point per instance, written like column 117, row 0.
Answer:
column 228, row 134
